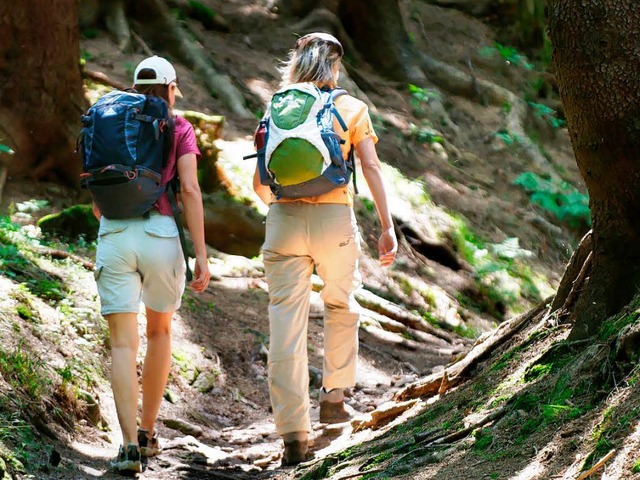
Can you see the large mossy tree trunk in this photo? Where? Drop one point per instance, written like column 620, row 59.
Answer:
column 41, row 97
column 597, row 57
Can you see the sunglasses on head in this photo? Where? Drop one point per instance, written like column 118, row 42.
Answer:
column 322, row 37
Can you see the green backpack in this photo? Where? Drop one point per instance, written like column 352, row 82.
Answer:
column 298, row 151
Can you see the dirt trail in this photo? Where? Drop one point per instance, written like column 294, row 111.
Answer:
column 224, row 429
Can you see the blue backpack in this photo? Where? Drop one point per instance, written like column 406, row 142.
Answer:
column 124, row 142
column 298, row 151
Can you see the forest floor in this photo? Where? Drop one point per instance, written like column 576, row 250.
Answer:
column 216, row 421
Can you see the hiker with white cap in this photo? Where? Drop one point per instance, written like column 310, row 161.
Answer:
column 134, row 148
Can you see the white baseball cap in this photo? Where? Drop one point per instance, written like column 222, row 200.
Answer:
column 165, row 73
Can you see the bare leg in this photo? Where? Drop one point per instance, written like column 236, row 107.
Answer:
column 157, row 364
column 123, row 329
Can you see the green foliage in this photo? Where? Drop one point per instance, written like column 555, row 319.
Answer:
column 612, row 326
column 201, row 10
column 90, row 33
column 636, row 466
column 425, row 134
column 551, row 364
column 508, row 138
column 71, row 223
column 501, row 275
column 19, row 446
column 548, row 114
column 23, row 371
column 5, row 149
column 560, row 198
column 510, row 55
column 484, row 439
column 419, row 99
column 86, row 56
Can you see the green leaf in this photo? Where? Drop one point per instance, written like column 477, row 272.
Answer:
column 6, row 149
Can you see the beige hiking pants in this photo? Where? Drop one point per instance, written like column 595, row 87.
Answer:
column 299, row 237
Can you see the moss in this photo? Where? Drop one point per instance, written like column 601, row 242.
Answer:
column 73, row 222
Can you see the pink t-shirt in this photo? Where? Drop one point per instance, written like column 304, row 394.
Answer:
column 184, row 142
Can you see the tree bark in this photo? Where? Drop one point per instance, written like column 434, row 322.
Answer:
column 595, row 55
column 41, row 98
column 378, row 32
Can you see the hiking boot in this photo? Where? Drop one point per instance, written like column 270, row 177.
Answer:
column 295, row 451
column 128, row 460
column 149, row 446
column 333, row 412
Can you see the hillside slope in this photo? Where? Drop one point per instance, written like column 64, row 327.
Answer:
column 474, row 252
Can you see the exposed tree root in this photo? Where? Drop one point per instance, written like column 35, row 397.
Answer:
column 383, row 415
column 115, row 19
column 440, row 382
column 191, row 54
column 572, row 272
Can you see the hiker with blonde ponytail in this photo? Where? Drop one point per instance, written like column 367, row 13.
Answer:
column 307, row 179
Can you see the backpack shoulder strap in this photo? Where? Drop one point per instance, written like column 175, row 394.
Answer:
column 333, row 94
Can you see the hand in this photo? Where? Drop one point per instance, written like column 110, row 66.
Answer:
column 202, row 275
column 387, row 247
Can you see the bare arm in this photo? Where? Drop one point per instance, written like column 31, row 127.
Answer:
column 194, row 214
column 263, row 191
column 96, row 211
column 371, row 168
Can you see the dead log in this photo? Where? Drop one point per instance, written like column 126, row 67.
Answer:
column 452, row 375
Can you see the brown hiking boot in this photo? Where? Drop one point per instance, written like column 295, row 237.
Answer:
column 333, row 412
column 295, row 451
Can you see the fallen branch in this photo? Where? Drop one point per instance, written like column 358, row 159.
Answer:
column 597, row 466
column 102, row 79
column 61, row 254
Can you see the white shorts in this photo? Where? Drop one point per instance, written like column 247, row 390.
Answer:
column 139, row 259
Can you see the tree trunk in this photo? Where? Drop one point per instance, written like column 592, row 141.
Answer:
column 378, row 32
column 595, row 54
column 41, row 98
